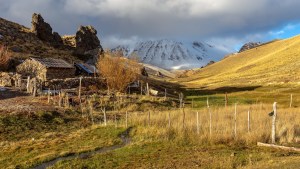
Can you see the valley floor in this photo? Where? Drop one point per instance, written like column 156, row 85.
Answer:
column 43, row 133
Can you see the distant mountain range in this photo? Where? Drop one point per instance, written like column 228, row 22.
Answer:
column 170, row 54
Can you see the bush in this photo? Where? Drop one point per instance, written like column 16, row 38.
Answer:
column 5, row 57
column 118, row 71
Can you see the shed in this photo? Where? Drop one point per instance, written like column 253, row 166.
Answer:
column 46, row 68
column 86, row 69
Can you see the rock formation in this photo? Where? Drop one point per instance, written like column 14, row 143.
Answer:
column 44, row 31
column 249, row 45
column 86, row 39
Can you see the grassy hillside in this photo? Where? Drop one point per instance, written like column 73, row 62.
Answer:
column 273, row 63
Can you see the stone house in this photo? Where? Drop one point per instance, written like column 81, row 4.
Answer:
column 46, row 68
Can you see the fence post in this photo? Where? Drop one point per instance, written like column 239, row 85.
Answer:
column 104, row 116
column 183, row 118
column 235, row 127
column 198, row 129
column 249, row 120
column 291, row 101
column 34, row 87
column 79, row 92
column 165, row 94
column 148, row 92
column 274, row 123
column 59, row 99
column 48, row 95
column 149, row 118
column 210, row 118
column 28, row 84
column 91, row 110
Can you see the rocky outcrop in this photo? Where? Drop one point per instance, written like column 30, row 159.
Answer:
column 249, row 45
column 86, row 40
column 44, row 31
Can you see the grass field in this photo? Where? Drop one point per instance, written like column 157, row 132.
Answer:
column 155, row 144
column 28, row 141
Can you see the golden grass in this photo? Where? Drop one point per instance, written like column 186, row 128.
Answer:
column 222, row 132
column 274, row 63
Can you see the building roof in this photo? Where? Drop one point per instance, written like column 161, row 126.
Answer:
column 53, row 63
column 90, row 69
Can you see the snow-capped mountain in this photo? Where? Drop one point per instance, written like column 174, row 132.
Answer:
column 169, row 54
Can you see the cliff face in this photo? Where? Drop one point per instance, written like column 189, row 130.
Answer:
column 41, row 41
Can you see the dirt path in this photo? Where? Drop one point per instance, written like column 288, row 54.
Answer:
column 12, row 100
column 125, row 141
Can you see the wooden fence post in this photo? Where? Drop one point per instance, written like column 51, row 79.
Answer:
column 226, row 100
column 210, row 118
column 148, row 92
column 48, row 95
column 59, row 99
column 183, row 118
column 91, row 111
column 79, row 92
column 274, row 123
column 198, row 129
column 28, row 84
column 148, row 118
column 104, row 116
column 291, row 101
column 165, row 94
column 235, row 127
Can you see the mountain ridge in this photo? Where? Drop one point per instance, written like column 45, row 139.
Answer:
column 171, row 54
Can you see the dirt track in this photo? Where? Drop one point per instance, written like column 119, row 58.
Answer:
column 12, row 100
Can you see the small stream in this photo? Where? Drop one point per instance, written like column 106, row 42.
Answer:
column 125, row 141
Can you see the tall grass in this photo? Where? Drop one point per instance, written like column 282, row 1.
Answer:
column 223, row 124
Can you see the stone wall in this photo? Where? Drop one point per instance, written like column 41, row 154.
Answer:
column 60, row 73
column 33, row 69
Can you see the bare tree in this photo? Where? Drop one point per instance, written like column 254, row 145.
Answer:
column 5, row 57
column 118, row 71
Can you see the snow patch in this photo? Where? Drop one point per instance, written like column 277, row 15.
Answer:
column 169, row 54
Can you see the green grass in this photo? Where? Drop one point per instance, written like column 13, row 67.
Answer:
column 176, row 155
column 27, row 141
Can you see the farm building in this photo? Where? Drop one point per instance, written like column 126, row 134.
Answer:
column 46, row 68
column 86, row 69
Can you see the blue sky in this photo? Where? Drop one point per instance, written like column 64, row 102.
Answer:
column 227, row 24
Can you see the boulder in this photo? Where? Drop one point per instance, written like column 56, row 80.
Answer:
column 43, row 30
column 86, row 40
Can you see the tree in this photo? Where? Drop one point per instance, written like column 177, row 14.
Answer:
column 5, row 57
column 118, row 71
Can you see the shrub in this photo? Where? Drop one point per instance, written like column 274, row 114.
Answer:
column 5, row 57
column 118, row 71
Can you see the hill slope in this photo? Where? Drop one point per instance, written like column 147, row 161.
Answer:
column 169, row 54
column 277, row 62
column 40, row 41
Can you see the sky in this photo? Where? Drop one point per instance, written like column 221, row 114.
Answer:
column 223, row 23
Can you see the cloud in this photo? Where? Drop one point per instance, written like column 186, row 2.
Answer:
column 129, row 20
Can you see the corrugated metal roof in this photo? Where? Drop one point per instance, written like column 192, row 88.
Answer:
column 53, row 63
column 90, row 69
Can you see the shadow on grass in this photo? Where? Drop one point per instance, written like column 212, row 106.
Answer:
column 220, row 90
